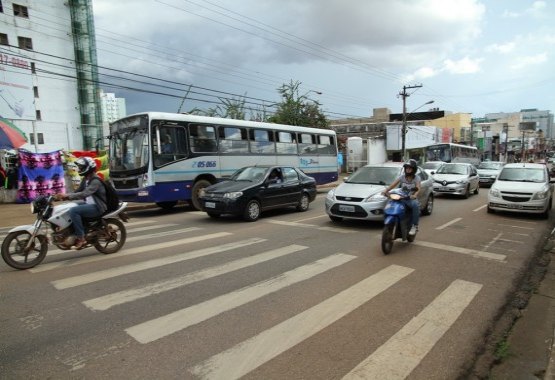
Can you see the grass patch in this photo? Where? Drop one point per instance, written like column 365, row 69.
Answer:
column 501, row 350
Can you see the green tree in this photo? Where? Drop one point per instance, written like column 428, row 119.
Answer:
column 296, row 109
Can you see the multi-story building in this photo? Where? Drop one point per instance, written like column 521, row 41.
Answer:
column 112, row 108
column 48, row 73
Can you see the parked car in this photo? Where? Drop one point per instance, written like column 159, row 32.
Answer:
column 254, row 189
column 360, row 195
column 524, row 188
column 456, row 178
column 488, row 171
column 432, row 166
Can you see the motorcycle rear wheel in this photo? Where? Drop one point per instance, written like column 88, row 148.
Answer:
column 387, row 239
column 14, row 254
column 111, row 238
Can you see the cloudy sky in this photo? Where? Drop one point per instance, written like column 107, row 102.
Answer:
column 351, row 55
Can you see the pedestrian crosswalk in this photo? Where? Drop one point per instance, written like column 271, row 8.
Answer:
column 413, row 341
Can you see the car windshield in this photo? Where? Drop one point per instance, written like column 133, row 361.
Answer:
column 453, row 169
column 432, row 165
column 491, row 165
column 522, row 175
column 375, row 175
column 250, row 173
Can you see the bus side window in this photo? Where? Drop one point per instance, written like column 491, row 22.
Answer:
column 307, row 144
column 285, row 143
column 233, row 140
column 203, row 138
column 325, row 145
column 262, row 141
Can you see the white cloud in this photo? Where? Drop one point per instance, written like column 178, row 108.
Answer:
column 501, row 48
column 524, row 62
column 463, row 66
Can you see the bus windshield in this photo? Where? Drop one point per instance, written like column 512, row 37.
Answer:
column 129, row 150
column 439, row 153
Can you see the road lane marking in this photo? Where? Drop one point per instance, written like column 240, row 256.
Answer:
column 252, row 353
column 146, row 228
column 88, row 278
column 448, row 224
column 493, row 241
column 314, row 217
column 513, row 226
column 398, row 357
column 304, row 225
column 118, row 298
column 125, row 252
column 466, row 251
column 480, row 208
column 136, row 238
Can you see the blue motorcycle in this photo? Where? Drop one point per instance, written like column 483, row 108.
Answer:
column 397, row 220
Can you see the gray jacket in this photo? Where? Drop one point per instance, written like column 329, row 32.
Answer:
column 95, row 187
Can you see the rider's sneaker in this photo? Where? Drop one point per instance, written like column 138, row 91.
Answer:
column 413, row 230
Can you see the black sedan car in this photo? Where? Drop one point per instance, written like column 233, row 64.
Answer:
column 254, row 189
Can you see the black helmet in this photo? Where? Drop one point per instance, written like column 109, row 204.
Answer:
column 410, row 163
column 85, row 165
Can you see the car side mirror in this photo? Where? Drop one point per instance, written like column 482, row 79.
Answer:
column 432, row 173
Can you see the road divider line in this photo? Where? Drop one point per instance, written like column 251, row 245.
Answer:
column 126, row 252
column 448, row 224
column 118, row 298
column 404, row 351
column 146, row 228
column 88, row 278
column 480, row 208
column 304, row 225
column 252, row 353
column 465, row 251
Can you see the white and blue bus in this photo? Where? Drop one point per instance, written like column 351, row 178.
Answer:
column 165, row 157
column 449, row 152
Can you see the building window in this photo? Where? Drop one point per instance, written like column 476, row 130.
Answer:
column 20, row 11
column 4, row 39
column 40, row 138
column 38, row 115
column 36, row 91
column 25, row 43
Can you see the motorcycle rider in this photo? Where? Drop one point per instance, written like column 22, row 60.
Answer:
column 92, row 196
column 409, row 182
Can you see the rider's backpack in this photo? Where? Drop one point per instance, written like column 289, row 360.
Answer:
column 112, row 199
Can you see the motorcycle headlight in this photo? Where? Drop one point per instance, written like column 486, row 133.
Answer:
column 233, row 195
column 33, row 208
column 494, row 192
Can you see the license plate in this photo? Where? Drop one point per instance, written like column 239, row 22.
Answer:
column 514, row 206
column 443, row 188
column 484, row 180
column 210, row 205
column 346, row 208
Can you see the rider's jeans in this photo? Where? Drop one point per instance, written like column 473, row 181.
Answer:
column 78, row 212
column 414, row 205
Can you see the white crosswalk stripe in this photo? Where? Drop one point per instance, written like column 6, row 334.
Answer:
column 403, row 352
column 158, row 328
column 250, row 354
column 126, row 252
column 149, row 264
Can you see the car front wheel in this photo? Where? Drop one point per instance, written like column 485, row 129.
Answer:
column 252, row 211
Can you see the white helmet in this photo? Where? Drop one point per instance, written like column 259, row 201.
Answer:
column 85, row 165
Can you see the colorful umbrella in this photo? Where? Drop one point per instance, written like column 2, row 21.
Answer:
column 11, row 137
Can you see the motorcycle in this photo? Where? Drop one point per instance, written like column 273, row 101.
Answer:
column 26, row 246
column 397, row 221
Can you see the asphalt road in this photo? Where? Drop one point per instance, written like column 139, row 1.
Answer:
column 290, row 296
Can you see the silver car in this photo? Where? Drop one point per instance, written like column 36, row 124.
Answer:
column 488, row 171
column 456, row 178
column 360, row 196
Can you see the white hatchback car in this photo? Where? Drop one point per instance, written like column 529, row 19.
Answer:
column 524, row 188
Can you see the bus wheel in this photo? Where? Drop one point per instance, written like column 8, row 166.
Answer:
column 166, row 205
column 200, row 184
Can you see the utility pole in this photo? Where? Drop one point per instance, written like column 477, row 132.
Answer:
column 405, row 95
column 506, row 129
